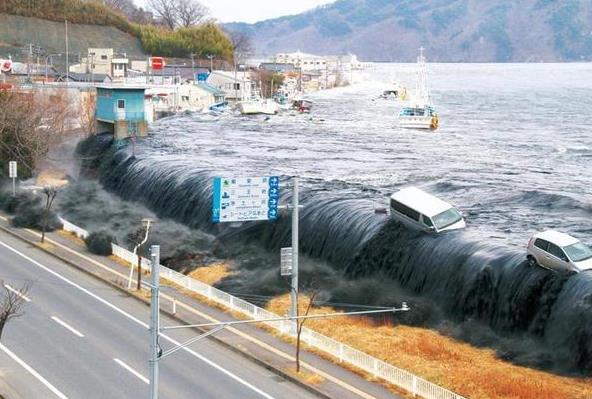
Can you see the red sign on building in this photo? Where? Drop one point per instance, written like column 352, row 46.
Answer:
column 157, row 63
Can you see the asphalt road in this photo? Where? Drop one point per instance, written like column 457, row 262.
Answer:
column 80, row 338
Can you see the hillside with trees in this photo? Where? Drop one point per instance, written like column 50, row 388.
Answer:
column 113, row 24
column 451, row 30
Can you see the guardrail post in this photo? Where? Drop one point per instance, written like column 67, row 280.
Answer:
column 375, row 368
column 174, row 305
column 232, row 302
column 340, row 352
column 209, row 291
column 414, row 389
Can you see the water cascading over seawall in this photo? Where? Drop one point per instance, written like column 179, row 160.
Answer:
column 541, row 318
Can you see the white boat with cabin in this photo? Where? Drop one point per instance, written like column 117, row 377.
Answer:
column 419, row 113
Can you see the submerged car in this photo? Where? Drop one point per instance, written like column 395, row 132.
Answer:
column 558, row 251
column 423, row 211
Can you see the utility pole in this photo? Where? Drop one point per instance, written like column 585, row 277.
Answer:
column 67, row 55
column 294, row 288
column 154, row 320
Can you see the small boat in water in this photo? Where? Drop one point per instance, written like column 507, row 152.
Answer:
column 419, row 113
column 395, row 92
column 302, row 106
column 258, row 105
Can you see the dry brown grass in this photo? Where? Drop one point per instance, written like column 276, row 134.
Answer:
column 305, row 376
column 71, row 236
column 211, row 274
column 472, row 372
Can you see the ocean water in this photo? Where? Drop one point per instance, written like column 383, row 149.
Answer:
column 512, row 152
column 513, row 149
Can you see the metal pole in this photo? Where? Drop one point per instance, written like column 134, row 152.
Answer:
column 154, row 321
column 67, row 55
column 294, row 290
column 14, row 186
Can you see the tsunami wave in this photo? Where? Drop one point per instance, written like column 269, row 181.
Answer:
column 480, row 291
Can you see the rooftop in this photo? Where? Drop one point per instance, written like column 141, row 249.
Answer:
column 557, row 238
column 421, row 201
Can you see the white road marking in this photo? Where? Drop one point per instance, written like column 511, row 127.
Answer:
column 33, row 372
column 67, row 327
column 131, row 370
column 138, row 321
column 9, row 288
column 239, row 333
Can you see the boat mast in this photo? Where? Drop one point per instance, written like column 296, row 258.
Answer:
column 423, row 93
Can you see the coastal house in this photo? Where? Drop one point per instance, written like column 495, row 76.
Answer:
column 122, row 110
column 235, row 85
column 102, row 61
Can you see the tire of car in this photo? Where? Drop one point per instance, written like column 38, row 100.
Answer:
column 531, row 260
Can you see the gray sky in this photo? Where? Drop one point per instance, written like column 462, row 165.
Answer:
column 254, row 10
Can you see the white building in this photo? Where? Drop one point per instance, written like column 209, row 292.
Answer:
column 236, row 86
column 308, row 62
column 102, row 61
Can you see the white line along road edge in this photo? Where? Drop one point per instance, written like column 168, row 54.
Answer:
column 138, row 321
column 131, row 370
column 9, row 288
column 67, row 327
column 33, row 372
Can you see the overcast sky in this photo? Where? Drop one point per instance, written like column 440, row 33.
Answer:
column 254, row 10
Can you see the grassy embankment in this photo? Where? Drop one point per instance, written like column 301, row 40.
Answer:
column 93, row 25
column 472, row 372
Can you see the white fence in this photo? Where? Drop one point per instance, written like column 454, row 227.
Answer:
column 345, row 353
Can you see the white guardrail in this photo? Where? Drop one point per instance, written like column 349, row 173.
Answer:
column 345, row 353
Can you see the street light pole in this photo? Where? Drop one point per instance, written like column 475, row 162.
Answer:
column 154, row 320
column 294, row 285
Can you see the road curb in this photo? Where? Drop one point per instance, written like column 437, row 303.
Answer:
column 146, row 302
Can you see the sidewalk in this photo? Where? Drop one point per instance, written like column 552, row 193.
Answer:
column 254, row 343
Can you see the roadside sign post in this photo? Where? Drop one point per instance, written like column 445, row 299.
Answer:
column 243, row 199
column 294, row 285
column 12, row 173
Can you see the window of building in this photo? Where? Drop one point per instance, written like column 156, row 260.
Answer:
column 103, row 57
column 237, row 86
column 120, row 104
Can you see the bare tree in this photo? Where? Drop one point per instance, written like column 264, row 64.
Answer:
column 125, row 7
column 242, row 46
column 166, row 11
column 50, row 194
column 300, row 325
column 11, row 305
column 191, row 12
column 30, row 124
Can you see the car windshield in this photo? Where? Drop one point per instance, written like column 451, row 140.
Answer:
column 446, row 218
column 578, row 252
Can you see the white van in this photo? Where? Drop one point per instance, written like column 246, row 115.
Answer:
column 423, row 211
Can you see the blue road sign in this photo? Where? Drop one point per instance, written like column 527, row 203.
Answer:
column 240, row 199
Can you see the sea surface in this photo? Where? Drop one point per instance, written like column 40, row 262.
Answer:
column 513, row 150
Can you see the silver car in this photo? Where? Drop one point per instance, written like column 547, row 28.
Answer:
column 558, row 251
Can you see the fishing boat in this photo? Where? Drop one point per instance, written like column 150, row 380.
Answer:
column 258, row 105
column 419, row 113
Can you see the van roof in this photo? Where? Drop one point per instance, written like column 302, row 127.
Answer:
column 421, row 201
column 557, row 238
